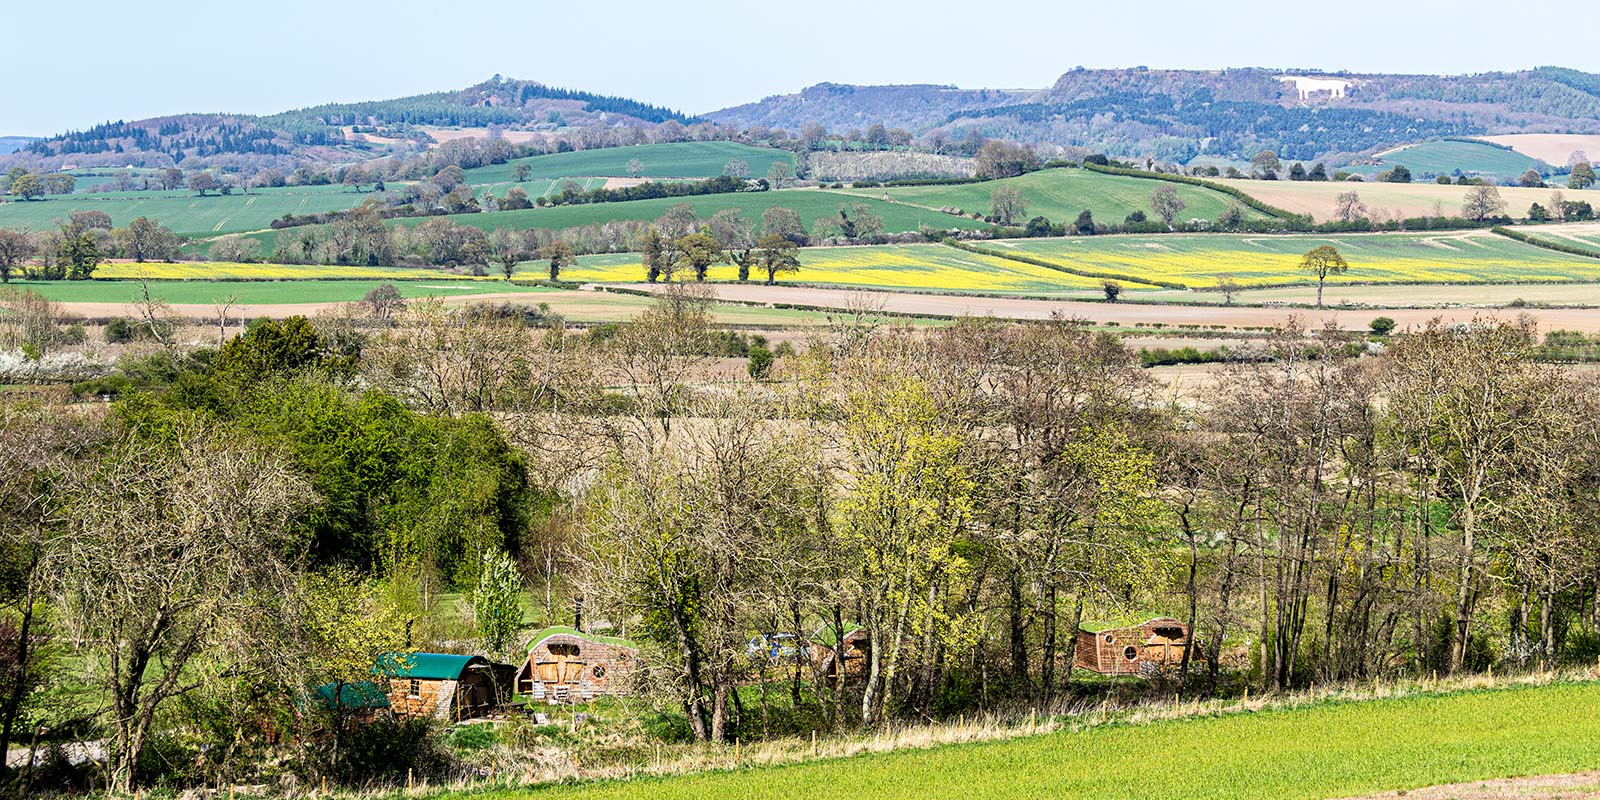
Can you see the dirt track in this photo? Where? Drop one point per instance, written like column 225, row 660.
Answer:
column 1128, row 314
column 604, row 306
column 1584, row 786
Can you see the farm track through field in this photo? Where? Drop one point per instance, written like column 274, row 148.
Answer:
column 1128, row 315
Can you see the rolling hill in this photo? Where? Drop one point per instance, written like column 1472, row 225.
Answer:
column 1454, row 157
column 1178, row 115
column 1059, row 194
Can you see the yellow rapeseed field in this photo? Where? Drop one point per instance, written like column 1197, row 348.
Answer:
column 1197, row 260
column 916, row 266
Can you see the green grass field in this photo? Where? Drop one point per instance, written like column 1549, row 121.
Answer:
column 1321, row 751
column 1195, row 260
column 667, row 160
column 1585, row 235
column 203, row 292
column 1445, row 157
column 808, row 203
column 1060, row 194
column 183, row 211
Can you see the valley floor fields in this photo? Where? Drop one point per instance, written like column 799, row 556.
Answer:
column 1316, row 198
column 932, row 267
column 1198, row 260
column 1326, row 750
column 1133, row 315
column 1551, row 148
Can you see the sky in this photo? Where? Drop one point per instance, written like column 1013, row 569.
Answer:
column 74, row 65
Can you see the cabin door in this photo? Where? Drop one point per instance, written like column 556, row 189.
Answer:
column 564, row 665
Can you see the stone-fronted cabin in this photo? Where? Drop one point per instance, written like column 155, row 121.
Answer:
column 565, row 665
column 442, row 685
column 1144, row 649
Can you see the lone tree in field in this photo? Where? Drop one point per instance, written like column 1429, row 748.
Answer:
column 1481, row 203
column 202, row 182
column 1229, row 287
column 1347, row 207
column 1112, row 289
column 27, row 187
column 736, row 168
column 1323, row 261
column 561, row 256
column 1582, row 176
column 15, row 249
column 521, row 172
column 1164, row 200
column 634, row 167
column 1007, row 204
column 383, row 301
column 778, row 254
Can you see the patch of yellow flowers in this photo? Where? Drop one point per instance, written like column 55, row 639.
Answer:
column 915, row 266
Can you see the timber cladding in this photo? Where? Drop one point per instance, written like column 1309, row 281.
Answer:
column 1145, row 649
column 565, row 665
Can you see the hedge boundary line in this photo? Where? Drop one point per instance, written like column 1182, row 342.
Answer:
column 1039, row 262
column 1231, row 191
column 1519, row 236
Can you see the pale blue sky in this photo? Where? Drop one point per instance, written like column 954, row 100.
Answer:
column 72, row 64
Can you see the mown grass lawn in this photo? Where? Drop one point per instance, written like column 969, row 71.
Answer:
column 1321, row 751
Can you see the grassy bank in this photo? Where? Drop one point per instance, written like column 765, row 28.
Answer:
column 1317, row 750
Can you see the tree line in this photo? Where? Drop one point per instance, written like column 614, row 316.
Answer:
column 1330, row 509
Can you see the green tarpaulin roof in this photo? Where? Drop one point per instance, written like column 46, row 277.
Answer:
column 365, row 694
column 428, row 666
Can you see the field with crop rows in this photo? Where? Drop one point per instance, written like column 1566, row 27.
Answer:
column 1552, row 148
column 221, row 270
column 1060, row 194
column 666, row 160
column 1321, row 751
column 1585, row 235
column 1196, row 260
column 932, row 267
column 256, row 292
column 183, row 211
column 1445, row 157
column 1317, row 198
column 809, row 204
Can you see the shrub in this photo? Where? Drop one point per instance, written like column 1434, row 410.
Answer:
column 760, row 362
column 1382, row 326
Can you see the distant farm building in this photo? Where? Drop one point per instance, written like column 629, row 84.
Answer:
column 1145, row 649
column 443, row 686
column 565, row 665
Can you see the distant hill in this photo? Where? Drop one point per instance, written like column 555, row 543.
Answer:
column 326, row 132
column 1176, row 115
column 842, row 106
column 11, row 144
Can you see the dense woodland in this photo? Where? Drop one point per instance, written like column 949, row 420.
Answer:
column 258, row 513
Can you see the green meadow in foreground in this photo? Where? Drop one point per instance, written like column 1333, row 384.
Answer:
column 1320, row 751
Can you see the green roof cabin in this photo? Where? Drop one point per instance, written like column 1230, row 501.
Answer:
column 566, row 665
column 443, row 685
